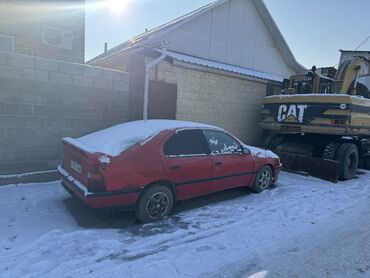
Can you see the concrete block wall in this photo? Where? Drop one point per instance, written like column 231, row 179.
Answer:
column 229, row 101
column 164, row 72
column 43, row 100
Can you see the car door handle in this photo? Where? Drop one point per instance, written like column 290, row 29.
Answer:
column 175, row 167
column 218, row 163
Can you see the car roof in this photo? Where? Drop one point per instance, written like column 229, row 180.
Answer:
column 114, row 140
column 161, row 125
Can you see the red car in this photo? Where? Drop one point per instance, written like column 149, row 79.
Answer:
column 148, row 165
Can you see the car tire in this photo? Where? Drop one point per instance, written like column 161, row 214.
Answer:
column 330, row 150
column 347, row 157
column 154, row 204
column 263, row 180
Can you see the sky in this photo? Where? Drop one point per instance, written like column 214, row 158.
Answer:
column 315, row 30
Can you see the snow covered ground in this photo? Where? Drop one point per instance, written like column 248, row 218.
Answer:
column 303, row 227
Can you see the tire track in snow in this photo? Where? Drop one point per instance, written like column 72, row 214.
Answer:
column 296, row 201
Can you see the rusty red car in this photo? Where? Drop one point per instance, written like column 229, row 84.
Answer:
column 147, row 166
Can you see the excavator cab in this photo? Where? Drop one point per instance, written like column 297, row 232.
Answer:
column 313, row 82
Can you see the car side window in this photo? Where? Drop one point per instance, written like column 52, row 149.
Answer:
column 221, row 143
column 186, row 143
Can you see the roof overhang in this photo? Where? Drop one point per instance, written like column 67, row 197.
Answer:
column 224, row 67
column 354, row 51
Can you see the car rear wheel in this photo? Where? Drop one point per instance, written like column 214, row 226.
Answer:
column 154, row 204
column 264, row 179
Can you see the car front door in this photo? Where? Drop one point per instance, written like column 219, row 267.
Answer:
column 231, row 167
column 187, row 163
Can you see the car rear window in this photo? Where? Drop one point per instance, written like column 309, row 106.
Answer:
column 185, row 142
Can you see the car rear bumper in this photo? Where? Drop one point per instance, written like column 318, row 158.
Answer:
column 120, row 200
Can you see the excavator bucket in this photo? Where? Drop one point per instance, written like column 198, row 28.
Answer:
column 317, row 167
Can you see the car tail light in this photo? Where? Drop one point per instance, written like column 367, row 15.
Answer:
column 95, row 179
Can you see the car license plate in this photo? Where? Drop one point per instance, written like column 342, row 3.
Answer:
column 75, row 166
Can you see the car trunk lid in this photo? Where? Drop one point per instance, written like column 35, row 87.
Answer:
column 83, row 166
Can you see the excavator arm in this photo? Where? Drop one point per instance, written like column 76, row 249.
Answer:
column 346, row 79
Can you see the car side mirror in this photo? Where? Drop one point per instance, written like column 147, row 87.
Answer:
column 238, row 151
column 246, row 150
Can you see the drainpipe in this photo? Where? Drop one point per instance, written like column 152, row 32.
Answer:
column 148, row 67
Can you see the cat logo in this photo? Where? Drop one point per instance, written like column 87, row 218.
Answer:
column 292, row 113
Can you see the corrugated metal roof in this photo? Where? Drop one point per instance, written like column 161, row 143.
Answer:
column 225, row 67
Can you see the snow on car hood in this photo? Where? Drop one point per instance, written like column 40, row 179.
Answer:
column 115, row 140
column 261, row 153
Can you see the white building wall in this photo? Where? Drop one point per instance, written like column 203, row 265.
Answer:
column 233, row 33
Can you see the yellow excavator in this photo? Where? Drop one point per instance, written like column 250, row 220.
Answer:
column 320, row 123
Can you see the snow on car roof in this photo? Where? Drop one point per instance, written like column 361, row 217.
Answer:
column 114, row 140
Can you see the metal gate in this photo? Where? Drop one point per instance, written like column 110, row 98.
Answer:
column 162, row 100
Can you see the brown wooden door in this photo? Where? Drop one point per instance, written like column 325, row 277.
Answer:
column 162, row 100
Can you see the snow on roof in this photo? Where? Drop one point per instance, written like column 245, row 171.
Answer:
column 221, row 66
column 114, row 140
column 314, row 95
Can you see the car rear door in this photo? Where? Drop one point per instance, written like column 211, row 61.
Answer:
column 231, row 167
column 187, row 163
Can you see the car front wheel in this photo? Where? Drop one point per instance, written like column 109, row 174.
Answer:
column 155, row 204
column 264, row 179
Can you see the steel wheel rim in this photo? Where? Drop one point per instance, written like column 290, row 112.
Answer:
column 157, row 205
column 264, row 179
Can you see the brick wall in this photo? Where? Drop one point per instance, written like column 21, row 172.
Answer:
column 44, row 100
column 227, row 100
